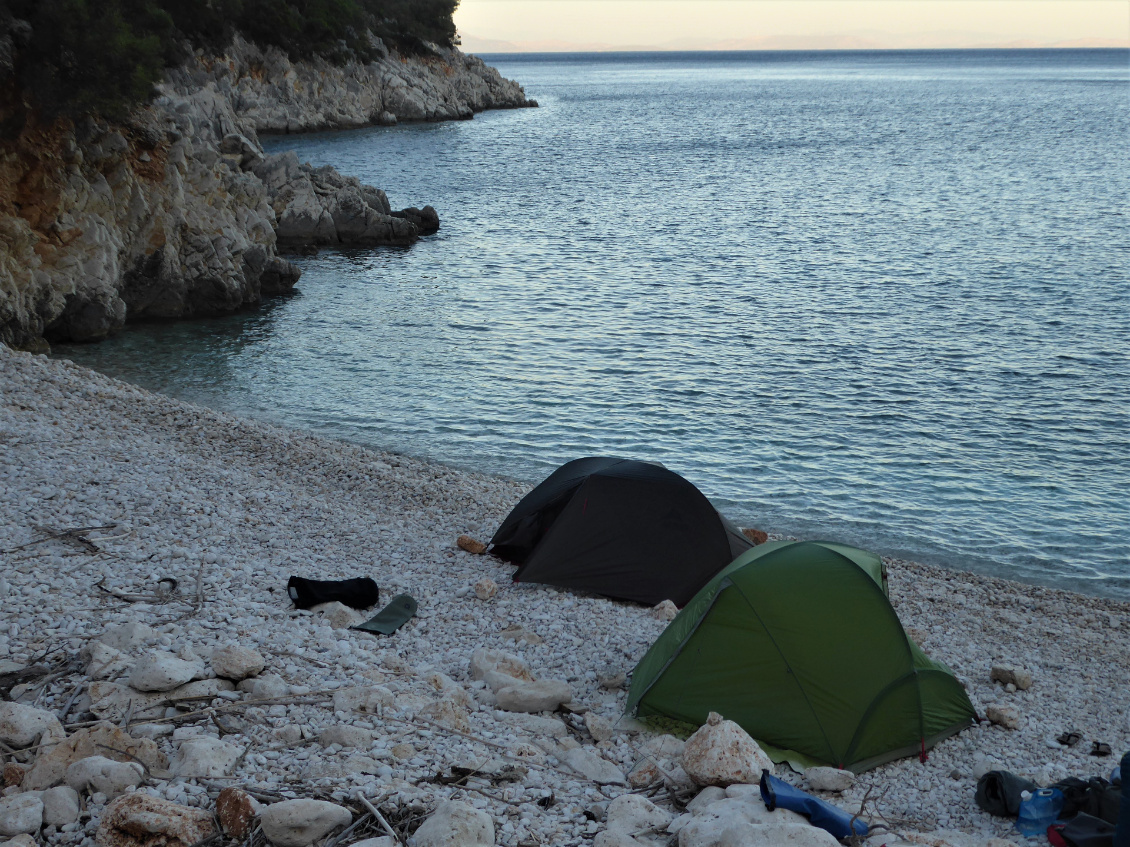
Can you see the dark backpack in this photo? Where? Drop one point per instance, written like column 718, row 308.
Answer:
column 1095, row 797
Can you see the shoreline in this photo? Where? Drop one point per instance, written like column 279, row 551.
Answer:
column 235, row 506
column 932, row 558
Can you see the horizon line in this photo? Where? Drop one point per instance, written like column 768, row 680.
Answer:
column 778, row 44
column 1125, row 47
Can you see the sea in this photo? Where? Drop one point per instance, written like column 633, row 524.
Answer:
column 881, row 298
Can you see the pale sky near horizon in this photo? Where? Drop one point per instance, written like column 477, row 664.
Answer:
column 646, row 22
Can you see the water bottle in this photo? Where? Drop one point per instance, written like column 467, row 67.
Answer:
column 1038, row 811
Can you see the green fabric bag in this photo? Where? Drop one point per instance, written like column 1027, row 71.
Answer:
column 400, row 610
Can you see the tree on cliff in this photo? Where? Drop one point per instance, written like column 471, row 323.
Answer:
column 80, row 56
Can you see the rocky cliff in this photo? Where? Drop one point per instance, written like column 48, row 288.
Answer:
column 178, row 212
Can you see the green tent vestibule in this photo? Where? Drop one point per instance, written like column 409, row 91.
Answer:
column 798, row 643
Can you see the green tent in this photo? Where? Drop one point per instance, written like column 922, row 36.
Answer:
column 798, row 643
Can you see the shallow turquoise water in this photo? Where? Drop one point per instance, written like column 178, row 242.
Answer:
column 875, row 298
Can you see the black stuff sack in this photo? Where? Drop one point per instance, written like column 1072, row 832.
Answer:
column 358, row 593
column 998, row 793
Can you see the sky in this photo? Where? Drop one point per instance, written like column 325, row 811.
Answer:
column 486, row 25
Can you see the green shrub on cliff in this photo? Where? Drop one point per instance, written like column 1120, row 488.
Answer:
column 83, row 56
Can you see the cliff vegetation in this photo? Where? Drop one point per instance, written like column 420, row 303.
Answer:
column 76, row 57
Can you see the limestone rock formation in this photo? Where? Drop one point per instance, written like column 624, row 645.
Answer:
column 274, row 94
column 178, row 212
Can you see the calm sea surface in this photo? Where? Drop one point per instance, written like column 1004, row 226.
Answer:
column 880, row 298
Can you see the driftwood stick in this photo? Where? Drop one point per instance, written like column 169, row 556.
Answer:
column 316, row 696
column 71, row 700
column 75, row 534
column 345, row 833
column 505, row 751
column 375, row 812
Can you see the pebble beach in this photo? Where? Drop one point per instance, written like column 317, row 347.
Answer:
column 230, row 508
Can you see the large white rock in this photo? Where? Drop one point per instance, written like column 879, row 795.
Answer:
column 60, row 806
column 345, row 735
column 537, row 725
column 21, row 725
column 1005, row 716
column 710, row 795
column 485, row 660
column 338, row 615
column 369, row 699
column 448, row 712
column 203, row 755
column 450, row 689
column 105, row 662
column 1011, row 674
column 544, row 695
column 735, row 822
column 594, row 767
column 722, row 753
column 51, row 765
column 598, row 727
column 296, row 823
column 267, row 687
column 455, row 824
column 127, row 636
column 99, row 774
column 20, row 813
column 829, row 779
column 486, row 588
column 631, row 813
column 618, row 838
column 237, row 663
column 665, row 746
column 138, row 820
column 159, row 671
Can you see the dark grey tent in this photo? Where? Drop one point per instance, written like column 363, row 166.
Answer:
column 628, row 530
